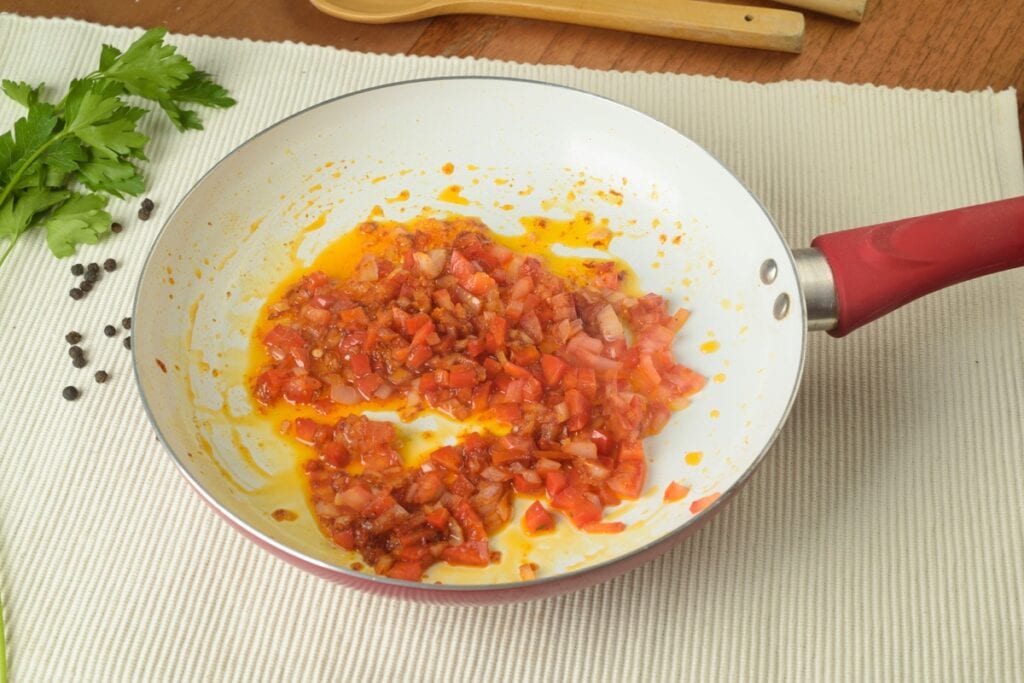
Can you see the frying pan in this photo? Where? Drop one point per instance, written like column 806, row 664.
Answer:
column 503, row 149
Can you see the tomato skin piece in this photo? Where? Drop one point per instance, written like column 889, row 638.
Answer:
column 537, row 519
column 604, row 527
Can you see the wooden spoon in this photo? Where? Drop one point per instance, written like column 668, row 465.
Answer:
column 706, row 22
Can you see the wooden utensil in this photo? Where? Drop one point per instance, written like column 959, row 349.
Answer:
column 853, row 10
column 706, row 22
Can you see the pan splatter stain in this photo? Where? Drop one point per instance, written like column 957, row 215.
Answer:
column 719, row 378
column 693, row 458
column 453, row 195
column 448, row 168
column 611, row 196
column 402, row 196
column 710, row 346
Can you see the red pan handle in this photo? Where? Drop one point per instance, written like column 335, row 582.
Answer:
column 879, row 268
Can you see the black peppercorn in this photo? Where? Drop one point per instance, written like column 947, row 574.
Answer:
column 110, row 265
column 126, row 323
column 110, row 330
column 92, row 275
column 75, row 351
column 101, row 377
column 77, row 269
column 147, row 204
column 127, row 341
column 72, row 337
column 70, row 393
column 76, row 293
column 92, row 268
column 116, row 227
column 85, row 285
column 78, row 361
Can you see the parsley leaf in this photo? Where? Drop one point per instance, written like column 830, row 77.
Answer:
column 91, row 138
column 80, row 220
column 22, row 93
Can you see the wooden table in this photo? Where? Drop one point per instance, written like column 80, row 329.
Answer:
column 936, row 44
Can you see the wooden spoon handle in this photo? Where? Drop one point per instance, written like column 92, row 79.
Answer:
column 852, row 10
column 706, row 22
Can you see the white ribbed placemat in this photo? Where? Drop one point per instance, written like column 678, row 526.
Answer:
column 882, row 539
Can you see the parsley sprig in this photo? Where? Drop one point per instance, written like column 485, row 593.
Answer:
column 60, row 162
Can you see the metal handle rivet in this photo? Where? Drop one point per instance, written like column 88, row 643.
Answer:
column 769, row 271
column 781, row 307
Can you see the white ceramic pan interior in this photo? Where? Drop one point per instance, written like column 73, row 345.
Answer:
column 688, row 228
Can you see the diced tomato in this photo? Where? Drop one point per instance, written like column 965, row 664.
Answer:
column 507, row 412
column 469, row 520
column 269, row 385
column 522, row 485
column 627, row 480
column 334, row 453
column 438, row 518
column 701, row 504
column 418, row 356
column 555, row 482
column 496, row 334
column 525, row 355
column 579, row 409
column 284, row 338
column 579, row 508
column 447, row 456
column 369, row 384
column 461, row 376
column 407, row 571
column 354, row 317
column 345, row 538
column 442, row 318
column 553, row 369
column 300, row 389
column 479, row 283
column 305, row 430
column 675, row 491
column 423, row 334
column 469, row 554
column 537, row 519
column 360, row 363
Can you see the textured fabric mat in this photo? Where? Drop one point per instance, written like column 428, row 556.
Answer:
column 883, row 539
